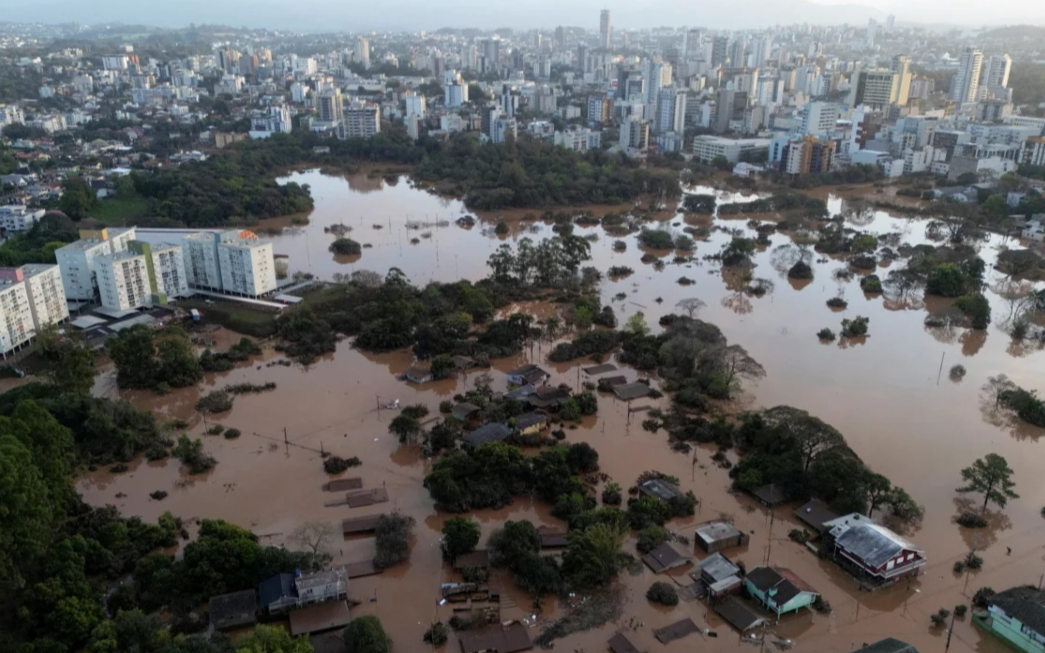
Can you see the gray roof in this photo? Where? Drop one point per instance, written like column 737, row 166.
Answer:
column 782, row 583
column 491, row 432
column 320, row 578
column 816, row 514
column 863, row 538
column 664, row 557
column 526, row 420
column 1025, row 603
column 716, row 531
column 718, row 567
column 629, row 391
column 887, row 645
column 739, row 615
column 661, row 489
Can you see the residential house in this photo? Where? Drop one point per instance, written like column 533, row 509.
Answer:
column 718, row 576
column 771, row 495
column 492, row 432
column 464, row 411
column 1017, row 615
column 531, row 423
column 1033, row 230
column 548, row 397
column 887, row 645
column 664, row 558
column 233, row 610
column 500, row 638
column 815, row 514
column 738, row 614
column 419, row 374
column 715, row 536
column 874, row 553
column 286, row 591
column 660, row 489
column 528, row 374
column 779, row 590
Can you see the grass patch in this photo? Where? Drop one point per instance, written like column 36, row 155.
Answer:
column 236, row 317
column 117, row 211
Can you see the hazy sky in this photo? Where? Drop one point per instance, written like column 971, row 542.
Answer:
column 337, row 15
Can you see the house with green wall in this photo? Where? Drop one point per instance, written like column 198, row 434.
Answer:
column 1017, row 615
column 779, row 590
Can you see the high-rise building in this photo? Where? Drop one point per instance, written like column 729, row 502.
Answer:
column 634, row 136
column 123, row 281
column 502, row 127
column 876, row 88
column 363, row 52
column 872, row 32
column 16, row 318
column 331, row 106
column 47, row 303
column 247, row 266
column 761, row 49
column 965, row 84
column 415, row 104
column 671, row 111
column 996, row 69
column 605, row 29
column 655, row 72
column 560, row 38
column 599, row 108
column 901, row 65
column 508, row 101
column 890, row 23
column 76, row 260
column 362, row 120
column 455, row 90
column 819, row 118
column 808, row 155
column 693, row 47
column 719, row 50
column 165, row 266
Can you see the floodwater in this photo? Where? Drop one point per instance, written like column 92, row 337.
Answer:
column 889, row 394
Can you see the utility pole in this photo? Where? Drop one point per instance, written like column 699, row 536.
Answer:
column 286, row 442
column 950, row 631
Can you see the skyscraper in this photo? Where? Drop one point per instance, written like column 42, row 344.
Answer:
column 719, row 50
column 996, row 69
column 331, row 106
column 671, row 111
column 560, row 38
column 966, row 82
column 605, row 30
column 901, row 65
column 876, row 88
column 691, row 48
column 363, row 52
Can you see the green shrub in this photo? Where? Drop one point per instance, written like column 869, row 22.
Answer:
column 662, row 593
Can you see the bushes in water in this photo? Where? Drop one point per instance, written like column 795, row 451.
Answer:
column 437, row 633
column 392, row 539
column 1026, row 404
column 656, row 238
column 971, row 520
column 246, row 388
column 976, row 308
column 871, row 284
column 232, row 434
column 336, row 464
column 217, row 401
column 855, row 327
column 586, row 344
column 825, row 334
column 619, row 271
column 345, row 247
column 662, row 593
column 650, row 538
column 190, row 453
column 306, row 336
column 225, row 361
column 800, row 270
column 837, row 302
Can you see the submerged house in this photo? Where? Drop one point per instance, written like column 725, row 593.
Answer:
column 531, row 423
column 528, row 374
column 1017, row 615
column 286, row 591
column 419, row 374
column 490, row 432
column 872, row 552
column 887, row 645
column 718, row 535
column 779, row 590
column 718, row 576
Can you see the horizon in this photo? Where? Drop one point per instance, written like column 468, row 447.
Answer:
column 325, row 16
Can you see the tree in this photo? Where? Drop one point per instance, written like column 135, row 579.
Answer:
column 592, row 556
column 691, row 305
column 460, row 536
column 998, row 388
column 732, row 363
column 636, row 325
column 27, row 519
column 812, row 435
column 345, row 247
column 272, row 639
column 366, row 635
column 977, row 308
column 946, row 280
column 314, row 535
column 78, row 198
column 392, row 539
column 662, row 593
column 404, row 426
column 879, row 490
column 992, row 477
column 70, row 362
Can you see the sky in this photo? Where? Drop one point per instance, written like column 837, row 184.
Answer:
column 408, row 15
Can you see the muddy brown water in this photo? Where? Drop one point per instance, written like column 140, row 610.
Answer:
column 886, row 394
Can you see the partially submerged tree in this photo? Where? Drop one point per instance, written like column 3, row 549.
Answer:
column 992, row 477
column 315, row 536
column 460, row 536
column 366, row 635
column 691, row 305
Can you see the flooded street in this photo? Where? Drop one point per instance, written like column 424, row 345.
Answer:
column 889, row 395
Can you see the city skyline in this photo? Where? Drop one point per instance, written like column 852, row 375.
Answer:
column 406, row 15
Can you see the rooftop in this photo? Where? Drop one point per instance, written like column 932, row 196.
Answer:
column 1025, row 603
column 739, row 615
column 781, row 583
column 873, row 544
column 887, row 645
column 661, row 489
column 717, row 531
column 663, row 558
column 320, row 578
column 816, row 514
column 491, row 432
column 718, row 567
column 503, row 639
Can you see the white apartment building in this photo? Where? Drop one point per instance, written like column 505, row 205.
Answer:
column 819, row 118
column 671, row 111
column 247, row 266
column 578, row 139
column 966, row 83
column 415, row 104
column 16, row 318
column 200, row 252
column 16, row 217
column 76, row 260
column 123, row 280
column 43, row 285
column 707, row 147
column 166, row 267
